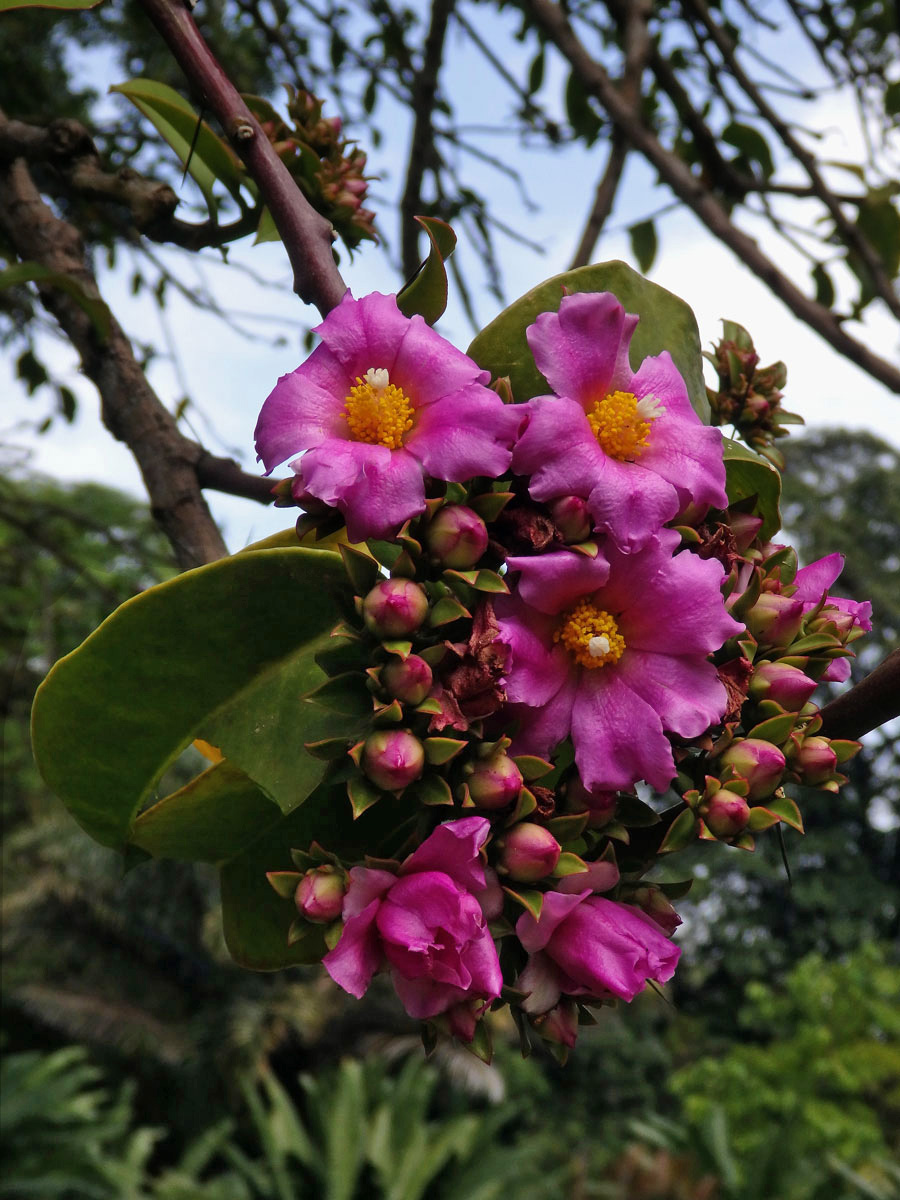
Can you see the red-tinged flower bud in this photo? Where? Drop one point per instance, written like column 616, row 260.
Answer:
column 744, row 528
column 495, row 782
column 408, row 680
column 786, row 685
column 320, row 894
column 395, row 608
column 760, row 763
column 393, row 759
column 690, row 513
column 528, row 852
column 657, row 905
column 774, row 619
column 844, row 621
column 816, row 761
column 457, row 537
column 572, row 519
column 600, row 805
column 726, row 814
column 560, row 1024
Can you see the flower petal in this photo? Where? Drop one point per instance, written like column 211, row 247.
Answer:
column 453, row 848
column 686, row 693
column 303, row 409
column 466, row 433
column 357, row 956
column 618, row 736
column 535, row 934
column 558, row 450
column 537, row 668
column 375, row 488
column 553, row 582
column 582, row 350
column 631, row 502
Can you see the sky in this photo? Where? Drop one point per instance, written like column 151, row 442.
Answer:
column 229, row 376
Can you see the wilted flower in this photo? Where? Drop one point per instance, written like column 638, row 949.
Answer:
column 613, row 650
column 382, row 402
column 628, row 442
column 584, row 945
column 424, row 923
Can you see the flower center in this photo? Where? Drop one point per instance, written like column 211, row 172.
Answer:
column 621, row 423
column 590, row 635
column 377, row 411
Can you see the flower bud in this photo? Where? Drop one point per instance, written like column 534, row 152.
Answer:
column 407, row 680
column 786, row 685
column 760, row 763
column 726, row 814
column 601, row 806
column 495, row 782
column 392, row 759
column 560, row 1024
column 320, row 894
column 774, row 619
column 528, row 852
column 572, row 519
column 816, row 761
column 744, row 528
column 457, row 537
column 395, row 608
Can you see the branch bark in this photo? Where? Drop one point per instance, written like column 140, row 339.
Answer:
column 173, row 467
column 552, row 21
column 872, row 702
column 307, row 235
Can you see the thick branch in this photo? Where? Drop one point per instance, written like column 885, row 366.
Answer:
column 604, row 197
column 872, row 702
column 307, row 236
column 551, row 19
column 172, row 466
column 67, row 147
column 421, row 147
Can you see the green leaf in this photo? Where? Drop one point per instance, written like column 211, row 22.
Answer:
column 879, row 222
column 643, row 243
column 70, row 5
column 824, row 287
column 786, row 808
column 176, row 121
column 751, row 145
column 32, row 272
column 225, row 649
column 212, row 819
column 680, row 833
column 581, row 114
column 266, row 230
column 667, row 323
column 746, row 474
column 426, row 292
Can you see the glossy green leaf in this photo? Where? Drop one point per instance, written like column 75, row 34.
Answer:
column 643, row 243
column 667, row 323
column 32, row 272
column 751, row 145
column 176, row 121
column 224, row 651
column 746, row 474
column 215, row 817
column 426, row 292
column 65, row 5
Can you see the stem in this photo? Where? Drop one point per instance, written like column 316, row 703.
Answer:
column 307, row 235
column 872, row 702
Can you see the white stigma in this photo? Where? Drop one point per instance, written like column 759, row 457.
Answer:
column 649, row 408
column 598, row 646
column 377, row 378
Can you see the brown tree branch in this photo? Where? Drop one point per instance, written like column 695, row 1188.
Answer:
column 554, row 24
column 421, row 146
column 872, row 702
column 604, row 197
column 307, row 236
column 69, row 149
column 851, row 234
column 173, row 467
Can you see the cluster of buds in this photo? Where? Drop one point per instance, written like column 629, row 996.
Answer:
column 329, row 169
column 749, row 396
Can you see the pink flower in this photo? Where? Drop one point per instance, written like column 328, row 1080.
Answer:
column 425, row 924
column 583, row 945
column 812, row 584
column 383, row 401
column 613, row 650
column 627, row 442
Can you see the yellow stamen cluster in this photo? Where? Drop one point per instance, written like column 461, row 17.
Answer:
column 621, row 424
column 377, row 411
column 590, row 635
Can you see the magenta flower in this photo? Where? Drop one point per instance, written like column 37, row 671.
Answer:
column 383, row 401
column 425, row 924
column 613, row 650
column 584, row 945
column 812, row 584
column 628, row 442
